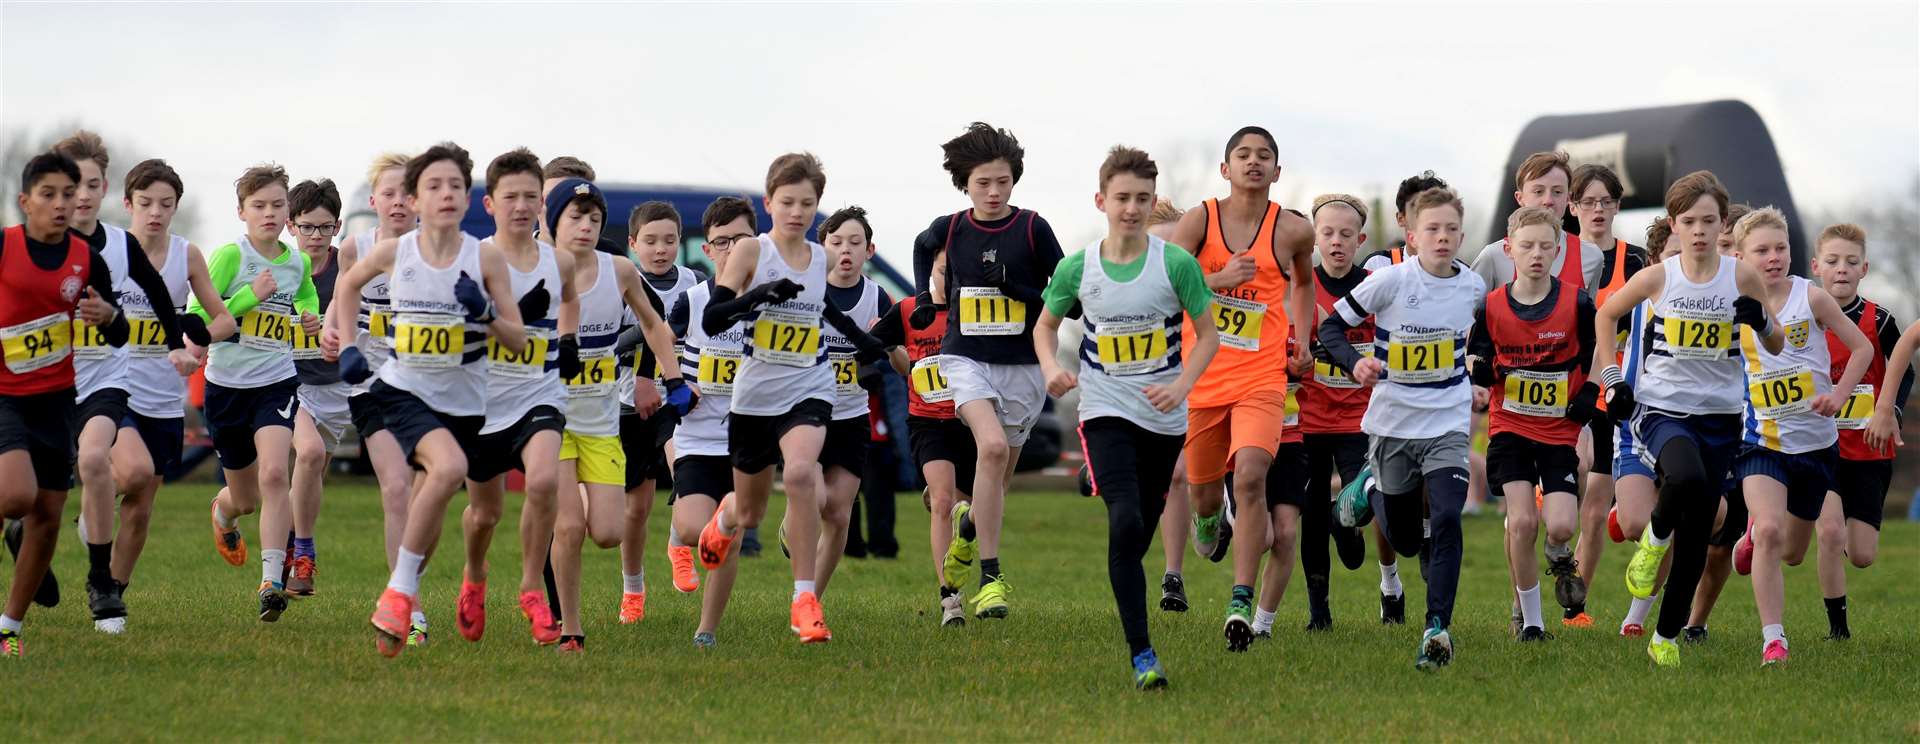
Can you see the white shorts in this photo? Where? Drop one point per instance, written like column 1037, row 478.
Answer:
column 327, row 406
column 1018, row 392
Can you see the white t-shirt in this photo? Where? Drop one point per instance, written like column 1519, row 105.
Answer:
column 1496, row 269
column 1421, row 322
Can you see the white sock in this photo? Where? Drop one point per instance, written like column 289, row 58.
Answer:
column 1262, row 620
column 803, row 587
column 406, row 573
column 1530, row 606
column 720, row 520
column 419, row 619
column 1771, row 633
column 9, row 624
column 1656, row 540
column 1657, row 638
column 1426, row 528
column 634, row 584
column 1637, row 612
column 673, row 536
column 1390, row 579
column 220, row 516
column 271, row 563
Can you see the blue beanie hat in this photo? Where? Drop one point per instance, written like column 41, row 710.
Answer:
column 565, row 192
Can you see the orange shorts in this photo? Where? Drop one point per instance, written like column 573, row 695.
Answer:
column 1214, row 434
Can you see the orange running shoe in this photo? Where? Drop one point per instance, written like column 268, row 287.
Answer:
column 633, row 607
column 1632, row 630
column 392, row 618
column 572, row 645
column 546, row 632
column 808, row 621
column 714, row 544
column 684, row 578
column 1582, row 620
column 471, row 615
column 1614, row 532
column 227, row 540
column 300, row 576
column 1539, row 500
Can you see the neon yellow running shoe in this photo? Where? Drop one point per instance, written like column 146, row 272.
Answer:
column 992, row 599
column 1665, row 653
column 960, row 554
column 1644, row 569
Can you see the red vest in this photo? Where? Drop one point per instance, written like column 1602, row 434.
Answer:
column 1334, row 410
column 1540, row 359
column 36, row 315
column 1853, row 444
column 920, row 345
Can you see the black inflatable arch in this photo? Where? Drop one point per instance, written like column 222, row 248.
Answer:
column 1651, row 147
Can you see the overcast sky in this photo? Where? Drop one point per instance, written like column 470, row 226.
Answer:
column 1359, row 94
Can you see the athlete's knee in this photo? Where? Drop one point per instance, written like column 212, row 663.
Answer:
column 273, row 470
column 1681, row 471
column 309, row 453
column 484, row 514
column 1286, row 532
column 1126, row 525
column 95, row 464
column 569, row 529
column 1862, row 555
column 1248, row 486
column 1768, row 534
column 940, row 499
column 993, row 449
column 544, row 483
column 1523, row 523
column 16, row 499
column 1832, row 533
column 639, row 507
column 800, row 477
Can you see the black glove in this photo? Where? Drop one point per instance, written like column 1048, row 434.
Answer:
column 1584, row 404
column 533, row 304
column 473, row 299
column 783, row 290
column 1481, row 372
column 353, row 366
column 870, row 378
column 680, row 397
column 994, row 273
column 569, row 356
column 923, row 311
column 1748, row 311
column 194, row 328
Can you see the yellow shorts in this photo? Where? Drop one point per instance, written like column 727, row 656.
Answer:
column 601, row 459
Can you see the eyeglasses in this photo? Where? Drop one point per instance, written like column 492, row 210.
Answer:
column 726, row 241
column 329, row 229
column 1598, row 203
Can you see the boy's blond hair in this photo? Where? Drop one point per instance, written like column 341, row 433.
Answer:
column 1529, row 216
column 1164, row 212
column 1846, row 231
column 1350, row 201
column 384, row 162
column 1759, row 219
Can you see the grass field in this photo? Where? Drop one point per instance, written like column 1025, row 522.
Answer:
column 196, row 664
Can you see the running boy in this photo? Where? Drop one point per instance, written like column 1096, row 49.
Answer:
column 323, row 416
column 848, row 239
column 1331, row 407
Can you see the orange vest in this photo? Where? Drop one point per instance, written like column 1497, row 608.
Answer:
column 1251, row 318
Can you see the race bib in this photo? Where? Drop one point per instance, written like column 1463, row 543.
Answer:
column 718, row 367
column 787, row 339
column 429, row 341
column 598, row 373
column 305, row 345
column 145, row 337
column 1858, row 409
column 267, row 328
column 846, row 374
column 1697, row 336
column 1780, row 393
column 928, row 382
column 986, row 311
column 1331, row 375
column 1414, row 358
column 1239, row 321
column 37, row 343
column 529, row 363
column 380, row 328
column 88, row 341
column 1290, row 411
column 1532, row 393
column 1131, row 348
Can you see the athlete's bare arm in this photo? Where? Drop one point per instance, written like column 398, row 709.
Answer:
column 506, row 326
column 1828, row 313
column 569, row 321
column 1293, row 248
column 1638, row 289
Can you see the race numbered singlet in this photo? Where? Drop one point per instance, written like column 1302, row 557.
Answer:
column 1540, row 359
column 1693, row 361
column 518, row 381
column 928, row 394
column 307, row 361
column 713, row 363
column 36, row 314
column 1133, row 340
column 786, row 359
column 1291, row 407
column 1330, row 401
column 438, row 356
column 1251, row 318
column 1781, row 387
column 592, row 409
column 262, row 349
column 96, row 365
column 684, row 279
column 154, row 387
column 1421, row 324
column 850, row 399
column 1852, row 419
column 375, row 320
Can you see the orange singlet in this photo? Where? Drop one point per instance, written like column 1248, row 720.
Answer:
column 1252, row 319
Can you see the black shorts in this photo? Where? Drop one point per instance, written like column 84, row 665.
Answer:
column 847, row 442
column 1807, row 475
column 1601, row 428
column 1735, row 523
column 1862, row 485
column 944, row 439
column 755, row 440
column 1514, row 458
column 702, row 475
column 366, row 415
column 162, row 436
column 410, row 420
column 107, row 403
column 234, row 414
column 495, row 454
column 41, row 424
column 646, row 450
column 1287, row 477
